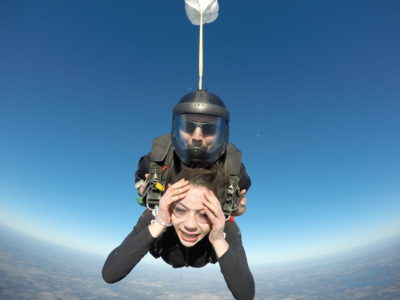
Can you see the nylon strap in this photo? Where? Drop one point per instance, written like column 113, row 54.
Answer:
column 160, row 162
column 232, row 165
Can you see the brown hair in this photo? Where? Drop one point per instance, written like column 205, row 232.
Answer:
column 213, row 178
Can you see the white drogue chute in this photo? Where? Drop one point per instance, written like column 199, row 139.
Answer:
column 197, row 8
column 201, row 12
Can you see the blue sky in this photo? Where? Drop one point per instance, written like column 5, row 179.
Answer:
column 313, row 88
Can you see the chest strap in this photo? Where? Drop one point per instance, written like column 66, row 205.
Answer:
column 160, row 163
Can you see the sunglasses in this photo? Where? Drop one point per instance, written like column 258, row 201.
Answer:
column 206, row 128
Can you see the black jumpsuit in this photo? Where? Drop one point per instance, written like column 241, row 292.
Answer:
column 139, row 242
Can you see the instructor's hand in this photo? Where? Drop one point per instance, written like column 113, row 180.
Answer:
column 242, row 203
column 141, row 188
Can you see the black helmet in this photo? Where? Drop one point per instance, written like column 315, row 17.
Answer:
column 207, row 111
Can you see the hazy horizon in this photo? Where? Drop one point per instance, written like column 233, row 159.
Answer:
column 148, row 259
column 31, row 268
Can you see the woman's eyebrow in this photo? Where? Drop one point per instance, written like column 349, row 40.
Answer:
column 197, row 210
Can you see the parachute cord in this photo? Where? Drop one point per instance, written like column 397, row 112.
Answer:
column 201, row 52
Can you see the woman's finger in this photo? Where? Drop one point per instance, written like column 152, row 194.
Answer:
column 178, row 189
column 217, row 224
column 179, row 196
column 213, row 201
column 211, row 209
column 181, row 190
column 212, row 198
column 179, row 184
column 215, row 211
column 213, row 219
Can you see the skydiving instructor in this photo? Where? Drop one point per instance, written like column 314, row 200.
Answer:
column 199, row 139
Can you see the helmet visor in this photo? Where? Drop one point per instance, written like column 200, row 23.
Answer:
column 203, row 133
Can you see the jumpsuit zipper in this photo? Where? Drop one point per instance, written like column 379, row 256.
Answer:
column 187, row 265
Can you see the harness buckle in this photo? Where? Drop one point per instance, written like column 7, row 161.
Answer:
column 152, row 193
column 232, row 200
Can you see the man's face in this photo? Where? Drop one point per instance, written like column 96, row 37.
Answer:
column 199, row 131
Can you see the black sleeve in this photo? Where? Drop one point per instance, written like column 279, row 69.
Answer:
column 234, row 266
column 125, row 257
column 143, row 167
column 244, row 181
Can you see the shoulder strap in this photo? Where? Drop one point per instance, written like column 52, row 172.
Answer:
column 233, row 161
column 160, row 148
column 162, row 157
column 160, row 162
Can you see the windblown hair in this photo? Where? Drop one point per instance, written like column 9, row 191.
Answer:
column 213, row 178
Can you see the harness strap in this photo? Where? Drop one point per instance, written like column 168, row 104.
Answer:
column 232, row 167
column 160, row 163
column 160, row 148
column 233, row 159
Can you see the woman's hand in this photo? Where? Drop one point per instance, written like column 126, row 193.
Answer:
column 175, row 192
column 213, row 209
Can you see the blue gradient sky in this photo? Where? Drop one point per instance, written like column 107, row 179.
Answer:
column 313, row 88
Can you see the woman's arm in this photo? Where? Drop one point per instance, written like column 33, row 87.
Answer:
column 234, row 266
column 229, row 250
column 125, row 257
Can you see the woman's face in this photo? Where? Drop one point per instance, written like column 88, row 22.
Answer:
column 189, row 218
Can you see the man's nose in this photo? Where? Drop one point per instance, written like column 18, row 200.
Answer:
column 197, row 134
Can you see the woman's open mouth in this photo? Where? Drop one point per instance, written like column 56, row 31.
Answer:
column 189, row 237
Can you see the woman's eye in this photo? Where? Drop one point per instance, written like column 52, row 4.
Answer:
column 179, row 211
column 203, row 216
